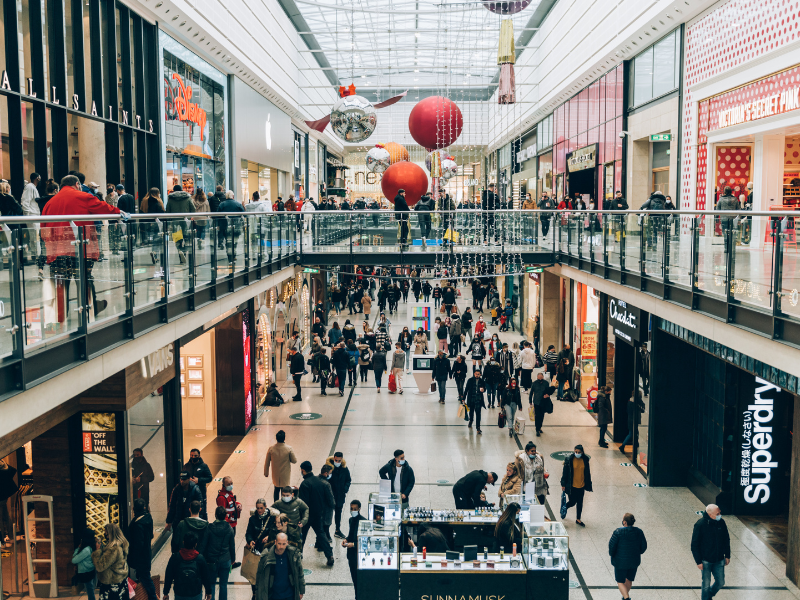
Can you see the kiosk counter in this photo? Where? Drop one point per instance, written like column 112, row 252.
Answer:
column 545, row 547
column 378, row 559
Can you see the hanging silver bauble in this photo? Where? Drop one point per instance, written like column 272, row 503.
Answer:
column 353, row 118
column 449, row 168
column 378, row 159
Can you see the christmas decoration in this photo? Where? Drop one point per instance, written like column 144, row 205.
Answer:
column 378, row 159
column 435, row 122
column 449, row 168
column 506, row 57
column 397, row 152
column 506, row 7
column 407, row 176
column 353, row 117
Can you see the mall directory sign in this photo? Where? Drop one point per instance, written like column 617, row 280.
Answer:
column 626, row 320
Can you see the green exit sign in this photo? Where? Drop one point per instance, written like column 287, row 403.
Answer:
column 660, row 137
column 310, row 270
column 534, row 269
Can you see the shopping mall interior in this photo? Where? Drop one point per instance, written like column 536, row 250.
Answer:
column 507, row 289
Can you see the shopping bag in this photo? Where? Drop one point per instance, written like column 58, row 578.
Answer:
column 461, row 412
column 131, row 588
column 451, row 236
column 501, row 419
column 392, row 383
column 532, row 413
column 141, row 593
column 433, row 386
column 519, row 425
column 332, row 380
column 466, row 412
column 563, row 504
column 177, row 236
column 249, row 568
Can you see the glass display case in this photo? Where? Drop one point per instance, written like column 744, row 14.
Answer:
column 525, row 502
column 378, row 546
column 391, row 503
column 493, row 563
column 546, row 546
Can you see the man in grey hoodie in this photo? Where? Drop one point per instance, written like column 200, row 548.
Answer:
column 193, row 523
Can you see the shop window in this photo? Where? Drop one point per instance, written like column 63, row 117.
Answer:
column 148, row 457
column 643, row 77
column 656, row 70
column 28, row 147
column 70, row 33
column 611, row 92
column 24, row 24
column 2, row 45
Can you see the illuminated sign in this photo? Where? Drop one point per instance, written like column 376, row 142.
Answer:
column 188, row 111
column 660, row 137
column 626, row 320
column 582, row 158
column 760, row 108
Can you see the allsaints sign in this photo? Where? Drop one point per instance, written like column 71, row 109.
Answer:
column 583, row 158
column 625, row 319
column 123, row 116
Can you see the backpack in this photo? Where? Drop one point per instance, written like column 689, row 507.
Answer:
column 353, row 362
column 187, row 579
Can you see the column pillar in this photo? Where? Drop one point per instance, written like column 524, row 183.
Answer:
column 550, row 298
column 767, row 177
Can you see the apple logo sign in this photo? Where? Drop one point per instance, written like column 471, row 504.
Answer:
column 269, row 133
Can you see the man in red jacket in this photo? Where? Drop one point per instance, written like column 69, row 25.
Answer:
column 233, row 510
column 58, row 236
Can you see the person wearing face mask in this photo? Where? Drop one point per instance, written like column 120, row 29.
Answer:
column 325, row 475
column 474, row 399
column 711, row 549
column 352, row 538
column 340, row 484
column 292, row 507
column 576, row 480
column 227, row 499
column 141, row 476
column 317, row 495
column 508, row 531
column 626, row 546
column 405, row 340
column 530, row 466
column 180, row 500
column 511, row 401
column 219, row 549
column 400, row 473
column 200, row 475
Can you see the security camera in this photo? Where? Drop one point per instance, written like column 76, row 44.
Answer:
column 622, row 134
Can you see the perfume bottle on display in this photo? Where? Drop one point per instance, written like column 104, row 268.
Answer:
column 485, row 553
column 424, row 553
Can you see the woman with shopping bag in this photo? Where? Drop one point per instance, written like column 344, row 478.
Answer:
column 511, row 401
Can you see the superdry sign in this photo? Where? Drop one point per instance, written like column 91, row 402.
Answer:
column 626, row 320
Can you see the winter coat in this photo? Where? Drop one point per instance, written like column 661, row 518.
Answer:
column 379, row 360
column 510, row 486
column 425, row 206
column 711, row 541
column 180, row 202
column 261, row 526
column 400, row 208
column 218, row 543
column 83, row 559
column 527, row 359
column 568, row 472
column 340, row 359
column 317, row 495
column 58, row 235
column 626, row 546
column 474, row 393
column 459, row 370
column 617, row 204
column 511, row 396
column 441, row 368
column 297, row 364
column 471, row 486
column 9, row 207
column 407, row 480
column 201, row 471
column 296, row 510
column 520, row 458
column 111, row 563
column 340, row 480
column 176, row 564
column 449, row 296
column 420, row 343
column 191, row 524
column 349, row 333
column 361, row 360
column 215, row 200
column 727, row 203
column 366, row 302
column 602, row 408
column 656, row 201
column 455, row 329
column 265, row 577
column 178, row 508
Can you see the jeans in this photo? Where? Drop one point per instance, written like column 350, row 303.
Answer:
column 297, row 378
column 460, row 386
column 440, row 385
column 92, row 584
column 491, row 392
column 576, row 499
column 342, row 375
column 426, row 229
column 221, row 569
column 603, row 430
column 143, row 577
column 718, row 570
column 560, row 393
column 404, row 232
column 545, row 226
column 476, row 415
column 408, row 358
column 436, row 302
column 378, row 376
column 511, row 412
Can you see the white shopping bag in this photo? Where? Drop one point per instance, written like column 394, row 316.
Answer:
column 519, row 424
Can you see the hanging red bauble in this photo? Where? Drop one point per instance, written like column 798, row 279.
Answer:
column 435, row 122
column 407, row 176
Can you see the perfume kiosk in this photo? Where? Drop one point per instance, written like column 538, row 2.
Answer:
column 378, row 559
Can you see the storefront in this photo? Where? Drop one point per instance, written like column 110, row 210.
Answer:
column 195, row 137
column 525, row 174
column 586, row 131
column 300, row 164
column 60, row 107
column 262, row 144
column 531, row 303
column 725, row 430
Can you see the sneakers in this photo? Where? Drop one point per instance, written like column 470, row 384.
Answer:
column 401, row 391
column 236, row 565
column 330, row 561
column 339, row 535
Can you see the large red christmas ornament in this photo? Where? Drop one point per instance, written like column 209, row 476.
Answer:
column 407, row 176
column 435, row 122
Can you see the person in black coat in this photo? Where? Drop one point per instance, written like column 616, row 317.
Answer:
column 508, row 530
column 441, row 371
column 576, row 480
column 711, row 549
column 426, row 291
column 340, row 484
column 602, row 408
column 181, row 499
column 313, row 491
column 352, row 539
column 341, row 362
column 407, row 480
column 626, row 546
column 489, row 203
column 467, row 490
column 8, row 487
column 458, row 371
column 261, row 527
column 474, row 399
column 401, row 214
column 511, row 402
column 200, row 475
column 140, row 555
column 297, row 367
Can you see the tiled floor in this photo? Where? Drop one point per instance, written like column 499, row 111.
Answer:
column 367, row 427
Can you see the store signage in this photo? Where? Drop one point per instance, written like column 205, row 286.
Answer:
column 762, row 446
column 583, row 158
column 99, row 442
column 526, row 153
column 188, row 111
column 660, row 137
column 469, row 182
column 532, row 269
column 760, row 108
column 310, row 270
column 589, row 345
column 157, row 361
column 626, row 320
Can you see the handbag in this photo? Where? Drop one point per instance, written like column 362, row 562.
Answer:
column 461, row 410
column 250, row 561
column 563, row 511
column 519, row 425
column 501, row 419
column 177, row 236
column 433, row 386
column 532, row 413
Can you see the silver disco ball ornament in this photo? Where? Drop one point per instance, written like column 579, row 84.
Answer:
column 353, row 118
column 378, row 159
column 433, row 162
column 449, row 168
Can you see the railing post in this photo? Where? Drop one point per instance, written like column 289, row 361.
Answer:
column 350, row 229
column 777, row 274
column 668, row 221
column 165, row 260
column 623, row 233
column 191, row 228
column 729, row 262
column 18, row 327
column 643, row 240
column 695, row 246
column 129, row 232
column 83, row 282
column 214, row 245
